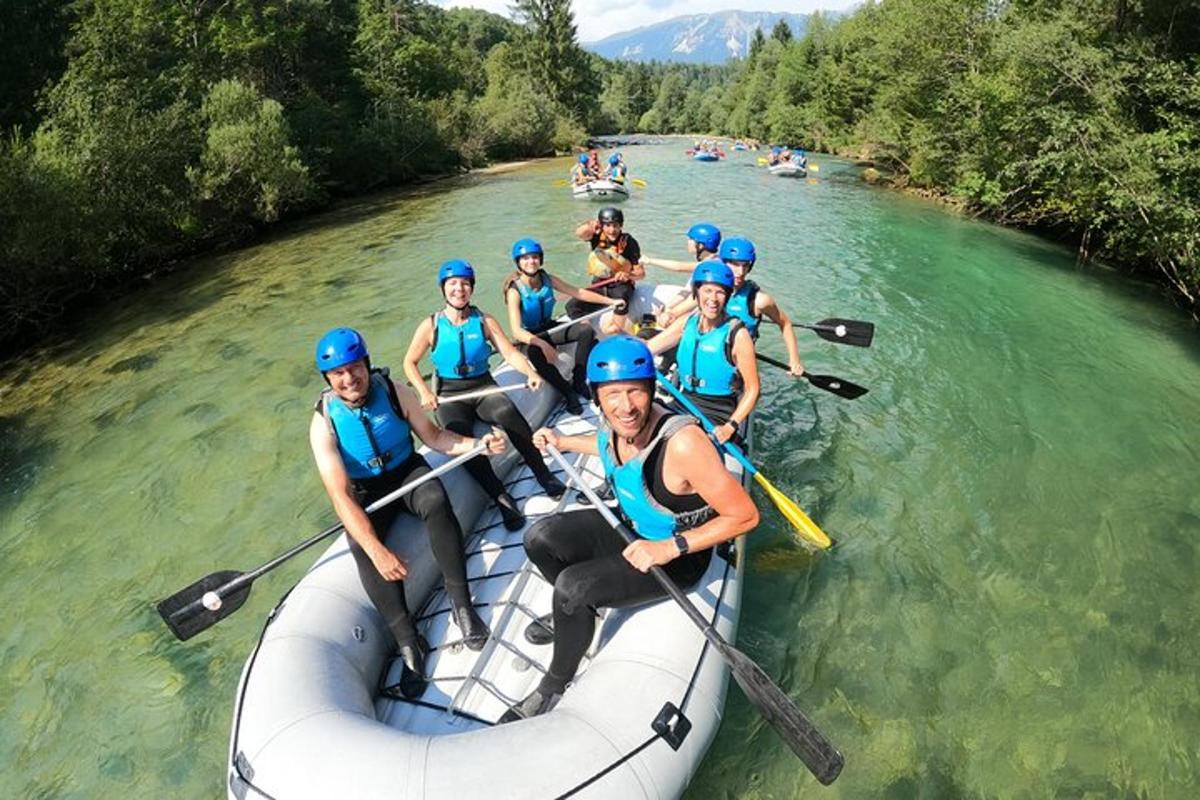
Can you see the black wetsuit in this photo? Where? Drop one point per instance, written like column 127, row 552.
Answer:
column 583, row 335
column 580, row 553
column 430, row 503
column 496, row 409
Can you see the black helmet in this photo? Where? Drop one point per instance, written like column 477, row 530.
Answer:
column 611, row 214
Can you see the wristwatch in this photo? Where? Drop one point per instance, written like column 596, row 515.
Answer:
column 681, row 544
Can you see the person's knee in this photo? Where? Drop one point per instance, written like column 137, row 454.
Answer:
column 539, row 537
column 572, row 589
column 429, row 499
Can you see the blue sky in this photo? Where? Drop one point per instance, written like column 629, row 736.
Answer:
column 599, row 18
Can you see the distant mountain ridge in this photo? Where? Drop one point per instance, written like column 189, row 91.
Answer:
column 696, row 38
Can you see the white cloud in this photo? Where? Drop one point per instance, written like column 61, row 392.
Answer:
column 597, row 19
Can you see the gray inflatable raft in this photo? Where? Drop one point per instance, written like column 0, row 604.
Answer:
column 310, row 722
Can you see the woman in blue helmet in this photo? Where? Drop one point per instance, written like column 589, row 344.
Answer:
column 529, row 296
column 460, row 338
column 673, row 491
column 715, row 355
column 361, row 438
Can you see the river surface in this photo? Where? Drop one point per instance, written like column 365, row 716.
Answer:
column 1013, row 609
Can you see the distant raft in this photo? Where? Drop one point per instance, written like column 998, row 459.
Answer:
column 600, row 190
column 704, row 155
column 788, row 169
column 310, row 720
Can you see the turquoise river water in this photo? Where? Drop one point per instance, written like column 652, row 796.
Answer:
column 1013, row 610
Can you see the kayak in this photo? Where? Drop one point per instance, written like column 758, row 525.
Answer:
column 310, row 720
column 703, row 156
column 788, row 170
column 600, row 190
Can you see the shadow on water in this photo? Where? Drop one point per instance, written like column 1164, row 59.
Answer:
column 28, row 449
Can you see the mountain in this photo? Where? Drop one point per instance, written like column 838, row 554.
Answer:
column 696, row 38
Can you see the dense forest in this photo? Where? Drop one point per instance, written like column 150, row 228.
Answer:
column 133, row 132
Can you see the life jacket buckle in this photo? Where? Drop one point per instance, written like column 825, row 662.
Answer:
column 378, row 462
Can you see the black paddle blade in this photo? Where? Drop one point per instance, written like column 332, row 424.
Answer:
column 845, row 331
column 821, row 758
column 185, row 612
column 838, row 386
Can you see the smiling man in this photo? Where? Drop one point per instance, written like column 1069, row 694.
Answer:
column 673, row 490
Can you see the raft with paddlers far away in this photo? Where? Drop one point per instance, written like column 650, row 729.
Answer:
column 600, row 190
column 788, row 169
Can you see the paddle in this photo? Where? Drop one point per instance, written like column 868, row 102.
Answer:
column 214, row 597
column 638, row 182
column 488, row 392
column 563, row 182
column 807, row 529
column 843, row 331
column 796, row 730
column 838, row 386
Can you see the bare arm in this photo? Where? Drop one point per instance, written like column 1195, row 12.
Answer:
column 509, row 353
column 669, row 264
column 677, row 310
column 766, row 306
column 417, row 348
column 353, row 516
column 668, row 338
column 576, row 444
column 586, row 230
column 432, row 434
column 586, row 295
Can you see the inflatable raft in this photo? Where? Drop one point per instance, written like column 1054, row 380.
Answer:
column 788, row 169
column 600, row 190
column 310, row 721
column 703, row 155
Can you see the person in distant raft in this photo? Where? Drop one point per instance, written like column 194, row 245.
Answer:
column 673, row 490
column 615, row 255
column 361, row 438
column 715, row 357
column 459, row 337
column 579, row 173
column 748, row 302
column 616, row 168
column 529, row 296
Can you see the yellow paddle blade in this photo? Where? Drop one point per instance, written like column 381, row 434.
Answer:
column 562, row 182
column 814, row 167
column 639, row 183
column 808, row 530
column 762, row 162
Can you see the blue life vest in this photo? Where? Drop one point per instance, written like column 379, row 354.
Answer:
column 706, row 360
column 460, row 351
column 741, row 305
column 537, row 305
column 374, row 438
column 651, row 519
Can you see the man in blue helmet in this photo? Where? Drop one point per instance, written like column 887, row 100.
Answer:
column 715, row 355
column 673, row 490
column 616, row 168
column 361, row 438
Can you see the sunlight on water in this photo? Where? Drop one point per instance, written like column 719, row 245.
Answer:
column 1011, row 611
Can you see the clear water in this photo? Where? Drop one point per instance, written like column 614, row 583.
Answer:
column 1012, row 609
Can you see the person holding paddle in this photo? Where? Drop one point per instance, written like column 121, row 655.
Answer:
column 361, row 438
column 672, row 487
column 748, row 302
column 715, row 357
column 529, row 295
column 460, row 337
column 614, row 264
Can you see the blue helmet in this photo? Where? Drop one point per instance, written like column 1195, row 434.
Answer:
column 455, row 268
column 583, row 159
column 712, row 271
column 738, row 248
column 339, row 347
column 619, row 358
column 525, row 247
column 706, row 235
column 614, row 159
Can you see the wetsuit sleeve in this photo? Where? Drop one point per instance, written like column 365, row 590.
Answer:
column 633, row 251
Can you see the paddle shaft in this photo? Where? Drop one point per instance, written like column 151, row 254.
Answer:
column 244, row 580
column 839, row 386
column 817, row 753
column 491, row 390
column 564, row 325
